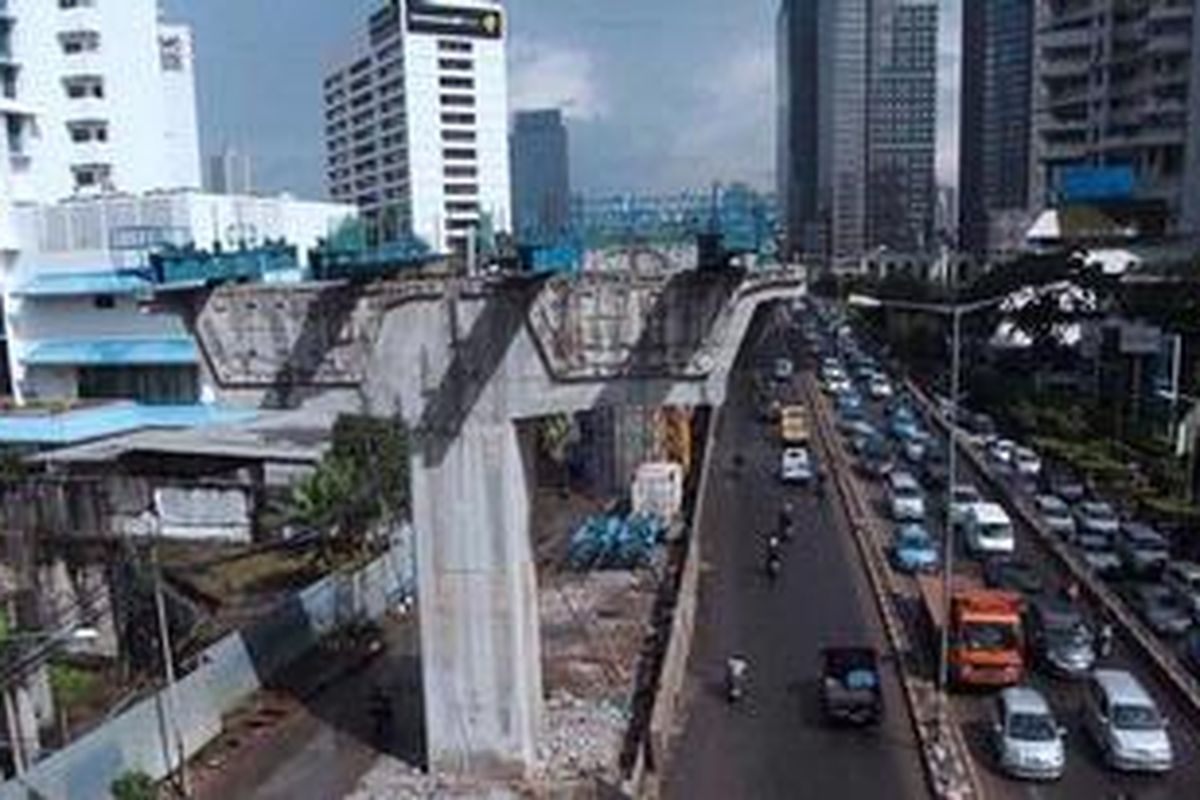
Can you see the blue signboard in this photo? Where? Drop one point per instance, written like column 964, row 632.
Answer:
column 1090, row 184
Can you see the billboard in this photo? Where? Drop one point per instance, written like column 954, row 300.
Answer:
column 476, row 23
column 1090, row 184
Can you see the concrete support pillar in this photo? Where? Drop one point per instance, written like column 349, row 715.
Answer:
column 477, row 588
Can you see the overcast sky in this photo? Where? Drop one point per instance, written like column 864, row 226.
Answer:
column 661, row 94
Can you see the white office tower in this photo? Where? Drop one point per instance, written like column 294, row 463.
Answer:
column 417, row 122
column 97, row 96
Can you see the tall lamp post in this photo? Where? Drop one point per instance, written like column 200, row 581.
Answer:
column 955, row 312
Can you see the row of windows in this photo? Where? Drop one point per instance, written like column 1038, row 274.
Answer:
column 82, row 132
column 75, row 42
column 452, row 46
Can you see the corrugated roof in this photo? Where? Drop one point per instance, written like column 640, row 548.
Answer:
column 112, row 352
column 70, row 284
column 88, row 424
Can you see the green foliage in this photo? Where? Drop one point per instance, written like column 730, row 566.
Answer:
column 71, row 686
column 133, row 785
column 363, row 480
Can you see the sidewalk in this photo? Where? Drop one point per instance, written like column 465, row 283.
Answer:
column 314, row 736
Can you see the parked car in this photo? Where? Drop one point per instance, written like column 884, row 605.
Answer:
column 1056, row 515
column 1029, row 742
column 915, row 447
column 1159, row 608
column 1027, row 463
column 795, row 466
column 1126, row 724
column 849, row 400
column 784, row 369
column 1012, row 574
column 913, row 549
column 1097, row 517
column 1060, row 638
column 851, row 689
column 964, row 497
column 875, row 457
column 905, row 497
column 1184, row 579
column 935, row 472
column 989, row 531
column 1144, row 551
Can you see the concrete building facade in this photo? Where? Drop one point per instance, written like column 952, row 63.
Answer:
column 417, row 122
column 1118, row 85
column 73, row 325
column 997, row 87
column 95, row 97
column 541, row 180
column 857, row 118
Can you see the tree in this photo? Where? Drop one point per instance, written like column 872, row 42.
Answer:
column 133, row 785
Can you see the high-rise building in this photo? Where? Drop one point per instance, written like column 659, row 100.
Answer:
column 95, row 97
column 541, row 180
column 857, row 123
column 1117, row 90
column 416, row 122
column 230, row 172
column 902, row 112
column 997, row 108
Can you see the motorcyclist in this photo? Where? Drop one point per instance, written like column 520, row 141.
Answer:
column 774, row 556
column 736, row 669
column 786, row 519
column 1104, row 639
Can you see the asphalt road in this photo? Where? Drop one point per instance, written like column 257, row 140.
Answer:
column 774, row 744
column 1086, row 775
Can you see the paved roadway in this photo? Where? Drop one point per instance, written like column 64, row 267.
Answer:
column 1086, row 775
column 774, row 745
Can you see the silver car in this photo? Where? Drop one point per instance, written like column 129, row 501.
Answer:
column 1056, row 515
column 1029, row 741
column 1125, row 722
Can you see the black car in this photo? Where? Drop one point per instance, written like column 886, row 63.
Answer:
column 935, row 471
column 1060, row 638
column 875, row 457
column 1159, row 608
column 851, row 686
column 1012, row 574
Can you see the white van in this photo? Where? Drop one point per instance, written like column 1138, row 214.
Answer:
column 990, row 531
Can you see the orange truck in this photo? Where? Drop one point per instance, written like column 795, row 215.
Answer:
column 985, row 637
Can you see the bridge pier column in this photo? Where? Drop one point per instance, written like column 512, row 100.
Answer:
column 477, row 588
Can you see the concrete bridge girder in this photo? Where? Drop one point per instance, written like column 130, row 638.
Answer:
column 462, row 361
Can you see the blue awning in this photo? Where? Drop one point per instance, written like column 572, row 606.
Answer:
column 71, row 284
column 88, row 424
column 112, row 353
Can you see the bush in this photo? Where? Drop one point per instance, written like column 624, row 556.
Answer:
column 134, row 785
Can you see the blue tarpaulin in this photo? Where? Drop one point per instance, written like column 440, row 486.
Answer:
column 609, row 542
column 71, row 284
column 87, row 424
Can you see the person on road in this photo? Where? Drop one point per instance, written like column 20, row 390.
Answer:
column 785, row 520
column 774, row 563
column 1104, row 639
column 735, row 677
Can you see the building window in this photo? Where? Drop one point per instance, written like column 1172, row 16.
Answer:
column 460, row 171
column 449, row 46
column 92, row 176
column 458, row 119
column 458, row 100
column 462, row 208
column 455, row 63
column 74, row 42
column 458, row 136
column 69, row 4
column 161, row 385
column 454, row 82
column 90, row 131
column 461, row 189
column 84, row 86
column 104, row 301
column 460, row 224
column 171, row 53
column 459, row 153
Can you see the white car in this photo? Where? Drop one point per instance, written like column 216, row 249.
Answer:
column 1123, row 719
column 1003, row 451
column 1056, row 515
column 907, row 499
column 962, row 500
column 1029, row 741
column 784, row 369
column 1027, row 463
column 795, row 466
column 1184, row 579
column 989, row 531
column 880, row 389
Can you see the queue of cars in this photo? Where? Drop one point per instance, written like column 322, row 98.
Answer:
column 1056, row 634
